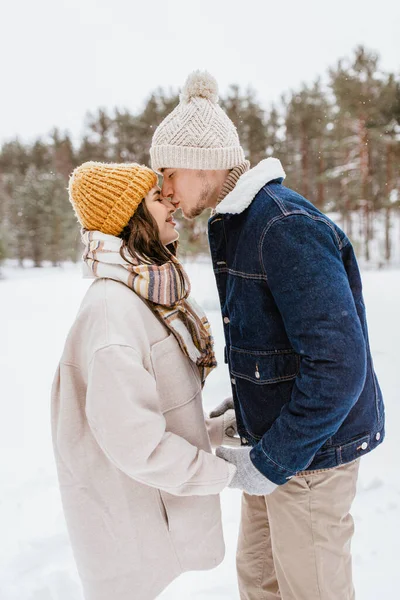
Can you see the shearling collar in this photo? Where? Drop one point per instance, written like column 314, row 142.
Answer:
column 248, row 186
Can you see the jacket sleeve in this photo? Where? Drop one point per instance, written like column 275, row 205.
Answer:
column 307, row 278
column 123, row 411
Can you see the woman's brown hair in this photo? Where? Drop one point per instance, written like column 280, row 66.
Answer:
column 141, row 241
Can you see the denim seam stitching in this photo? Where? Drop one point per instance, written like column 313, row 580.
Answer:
column 376, row 393
column 294, row 213
column 261, row 242
column 264, row 381
column 338, row 240
column 263, row 352
column 301, row 212
column 275, row 463
column 255, row 276
column 276, row 199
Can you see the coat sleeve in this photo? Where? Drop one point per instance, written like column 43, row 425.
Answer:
column 123, row 411
column 307, row 278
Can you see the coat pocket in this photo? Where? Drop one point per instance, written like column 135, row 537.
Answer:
column 163, row 509
column 265, row 367
column 177, row 378
column 263, row 385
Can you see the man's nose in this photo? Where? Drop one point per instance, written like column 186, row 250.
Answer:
column 166, row 190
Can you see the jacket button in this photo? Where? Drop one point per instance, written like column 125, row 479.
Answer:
column 243, row 440
column 378, row 436
column 364, row 446
column 226, row 320
column 257, row 375
column 233, row 381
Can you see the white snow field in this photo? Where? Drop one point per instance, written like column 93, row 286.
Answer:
column 37, row 307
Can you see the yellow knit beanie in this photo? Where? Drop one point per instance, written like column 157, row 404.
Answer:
column 105, row 196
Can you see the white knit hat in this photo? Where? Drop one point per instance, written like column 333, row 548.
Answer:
column 197, row 134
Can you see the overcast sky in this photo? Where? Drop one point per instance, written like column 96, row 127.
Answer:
column 62, row 58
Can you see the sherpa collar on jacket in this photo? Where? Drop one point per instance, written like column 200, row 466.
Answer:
column 248, row 186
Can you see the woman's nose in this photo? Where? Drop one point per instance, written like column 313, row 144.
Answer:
column 171, row 203
column 174, row 202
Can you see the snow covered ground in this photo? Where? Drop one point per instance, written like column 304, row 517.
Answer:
column 37, row 307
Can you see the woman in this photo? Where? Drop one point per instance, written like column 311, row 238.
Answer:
column 138, row 481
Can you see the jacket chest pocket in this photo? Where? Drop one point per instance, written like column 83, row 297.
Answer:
column 177, row 378
column 263, row 383
column 265, row 367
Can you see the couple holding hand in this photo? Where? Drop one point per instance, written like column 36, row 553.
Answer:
column 139, row 482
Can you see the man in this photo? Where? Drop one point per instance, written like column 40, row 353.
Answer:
column 307, row 401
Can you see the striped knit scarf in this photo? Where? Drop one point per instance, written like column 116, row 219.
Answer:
column 163, row 288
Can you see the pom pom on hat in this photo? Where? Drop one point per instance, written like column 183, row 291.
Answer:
column 200, row 84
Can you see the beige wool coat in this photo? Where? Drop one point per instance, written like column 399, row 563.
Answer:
column 139, row 483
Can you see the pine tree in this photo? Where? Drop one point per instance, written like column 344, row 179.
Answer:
column 3, row 251
column 30, row 215
column 249, row 118
column 97, row 140
column 234, row 104
column 357, row 90
column 14, row 158
column 125, row 129
column 307, row 115
column 339, row 146
column 63, row 154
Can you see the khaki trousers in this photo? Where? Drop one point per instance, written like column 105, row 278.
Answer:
column 295, row 543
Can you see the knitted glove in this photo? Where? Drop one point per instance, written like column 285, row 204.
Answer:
column 222, row 430
column 231, row 437
column 222, row 408
column 247, row 477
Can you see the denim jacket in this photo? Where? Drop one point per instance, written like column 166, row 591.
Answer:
column 303, row 382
